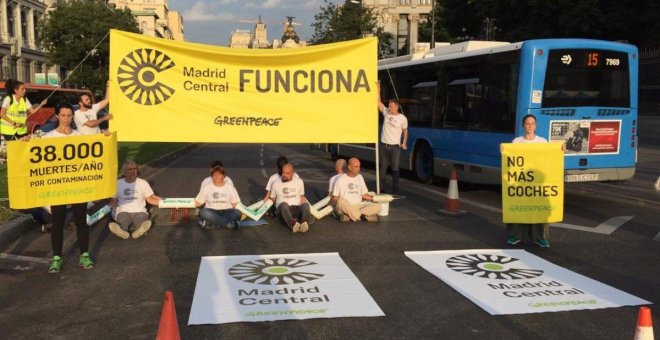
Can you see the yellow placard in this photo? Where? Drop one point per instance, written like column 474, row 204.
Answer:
column 162, row 90
column 532, row 183
column 54, row 171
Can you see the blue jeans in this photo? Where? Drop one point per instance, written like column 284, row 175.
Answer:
column 219, row 218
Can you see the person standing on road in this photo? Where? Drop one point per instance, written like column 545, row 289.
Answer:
column 129, row 203
column 15, row 110
column 289, row 196
column 539, row 233
column 220, row 200
column 64, row 114
column 86, row 117
column 349, row 193
column 395, row 125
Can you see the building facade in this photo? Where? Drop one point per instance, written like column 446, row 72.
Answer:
column 401, row 18
column 20, row 54
column 154, row 18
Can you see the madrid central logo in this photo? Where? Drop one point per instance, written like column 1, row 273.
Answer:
column 137, row 76
column 490, row 266
column 279, row 271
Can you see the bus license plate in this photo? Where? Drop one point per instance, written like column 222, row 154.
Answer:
column 581, row 178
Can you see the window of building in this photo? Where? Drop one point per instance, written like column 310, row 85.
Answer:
column 26, row 72
column 35, row 19
column 404, row 2
column 24, row 25
column 424, row 2
column 402, row 35
column 10, row 21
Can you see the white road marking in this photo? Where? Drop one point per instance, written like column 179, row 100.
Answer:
column 657, row 237
column 21, row 258
column 463, row 200
column 607, row 227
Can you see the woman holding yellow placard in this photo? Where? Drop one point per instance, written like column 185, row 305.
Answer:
column 538, row 232
column 64, row 113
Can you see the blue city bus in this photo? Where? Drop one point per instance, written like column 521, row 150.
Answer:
column 463, row 100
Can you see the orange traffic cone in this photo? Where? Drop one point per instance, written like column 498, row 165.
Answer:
column 644, row 329
column 453, row 205
column 168, row 328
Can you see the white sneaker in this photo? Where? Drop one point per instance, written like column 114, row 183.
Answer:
column 296, row 228
column 304, row 227
column 144, row 227
column 117, row 230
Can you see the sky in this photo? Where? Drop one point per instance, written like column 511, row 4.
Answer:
column 212, row 21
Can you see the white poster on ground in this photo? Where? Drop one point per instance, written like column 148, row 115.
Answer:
column 253, row 288
column 517, row 282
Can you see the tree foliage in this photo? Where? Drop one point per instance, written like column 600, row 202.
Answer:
column 71, row 33
column 348, row 21
column 515, row 20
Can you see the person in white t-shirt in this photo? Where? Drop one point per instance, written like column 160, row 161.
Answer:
column 290, row 203
column 209, row 179
column 539, row 233
column 86, row 117
column 219, row 200
column 349, row 193
column 395, row 126
column 129, row 203
column 340, row 166
column 281, row 161
column 64, row 113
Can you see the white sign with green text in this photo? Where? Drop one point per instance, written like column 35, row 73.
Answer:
column 513, row 281
column 253, row 288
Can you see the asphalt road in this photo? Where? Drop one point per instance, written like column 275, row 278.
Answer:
column 122, row 297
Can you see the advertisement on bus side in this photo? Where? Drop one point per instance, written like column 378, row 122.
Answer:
column 585, row 137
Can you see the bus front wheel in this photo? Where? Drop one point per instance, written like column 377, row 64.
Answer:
column 423, row 164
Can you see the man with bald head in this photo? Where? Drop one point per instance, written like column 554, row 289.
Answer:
column 340, row 166
column 349, row 193
column 289, row 196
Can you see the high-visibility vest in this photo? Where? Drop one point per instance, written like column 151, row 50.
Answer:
column 17, row 112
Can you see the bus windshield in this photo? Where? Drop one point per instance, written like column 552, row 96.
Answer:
column 586, row 78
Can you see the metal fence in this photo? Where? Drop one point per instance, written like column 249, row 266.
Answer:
column 649, row 81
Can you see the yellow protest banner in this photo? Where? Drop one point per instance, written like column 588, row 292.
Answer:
column 162, row 90
column 53, row 171
column 532, row 183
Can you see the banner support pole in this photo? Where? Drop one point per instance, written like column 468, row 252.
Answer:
column 377, row 170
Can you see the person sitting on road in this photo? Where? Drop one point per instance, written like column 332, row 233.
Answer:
column 129, row 204
column 209, row 179
column 349, row 193
column 290, row 203
column 280, row 162
column 322, row 208
column 220, row 199
column 340, row 168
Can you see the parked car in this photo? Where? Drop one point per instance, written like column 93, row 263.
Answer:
column 44, row 119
